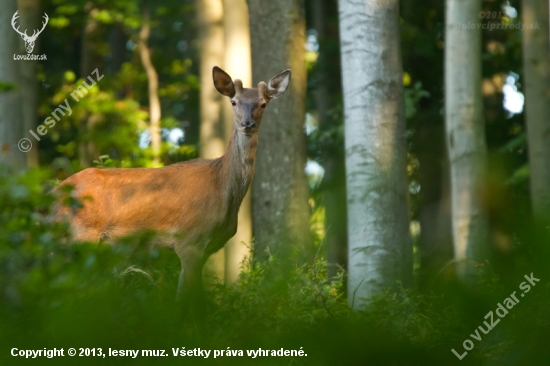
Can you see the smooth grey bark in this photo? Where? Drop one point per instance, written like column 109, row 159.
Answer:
column 332, row 153
column 11, row 117
column 30, row 16
column 279, row 192
column 237, row 63
column 465, row 135
column 536, row 68
column 379, row 247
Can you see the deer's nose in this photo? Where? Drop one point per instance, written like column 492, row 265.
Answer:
column 248, row 125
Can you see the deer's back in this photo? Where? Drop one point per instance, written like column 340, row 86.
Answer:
column 179, row 198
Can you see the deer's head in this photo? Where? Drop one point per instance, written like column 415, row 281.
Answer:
column 29, row 40
column 249, row 103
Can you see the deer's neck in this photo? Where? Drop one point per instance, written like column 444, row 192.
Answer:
column 238, row 165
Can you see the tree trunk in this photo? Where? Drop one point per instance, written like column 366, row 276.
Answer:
column 536, row 67
column 89, row 61
column 379, row 249
column 212, row 131
column 30, row 19
column 211, row 40
column 279, row 192
column 465, row 135
column 153, row 85
column 237, row 63
column 11, row 126
column 332, row 153
column 117, row 43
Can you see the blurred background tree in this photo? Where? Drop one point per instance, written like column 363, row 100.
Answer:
column 31, row 18
column 237, row 62
column 213, row 138
column 11, row 96
column 326, row 144
column 536, row 57
column 465, row 137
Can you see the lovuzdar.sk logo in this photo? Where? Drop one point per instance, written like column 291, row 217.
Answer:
column 29, row 40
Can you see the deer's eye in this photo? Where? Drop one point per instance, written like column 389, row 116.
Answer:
column 233, row 103
column 263, row 105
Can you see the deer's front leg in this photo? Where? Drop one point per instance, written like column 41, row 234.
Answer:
column 190, row 294
column 190, row 280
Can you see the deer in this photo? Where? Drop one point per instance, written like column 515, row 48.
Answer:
column 29, row 40
column 193, row 205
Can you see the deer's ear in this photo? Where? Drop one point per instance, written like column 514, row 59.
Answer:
column 223, row 82
column 278, row 84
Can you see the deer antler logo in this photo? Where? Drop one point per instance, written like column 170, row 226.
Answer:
column 29, row 41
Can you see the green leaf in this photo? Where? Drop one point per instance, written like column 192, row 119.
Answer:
column 5, row 87
column 519, row 176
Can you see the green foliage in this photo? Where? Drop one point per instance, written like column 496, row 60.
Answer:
column 103, row 161
column 412, row 97
column 122, row 297
column 6, row 87
column 112, row 124
column 267, row 297
column 112, row 117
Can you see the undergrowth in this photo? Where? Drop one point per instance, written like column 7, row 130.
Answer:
column 54, row 294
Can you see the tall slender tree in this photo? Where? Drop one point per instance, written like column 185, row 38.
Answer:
column 465, row 134
column 11, row 118
column 30, row 19
column 90, row 59
column 536, row 68
column 237, row 62
column 279, row 193
column 153, row 85
column 212, row 131
column 211, row 53
column 379, row 248
column 332, row 152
